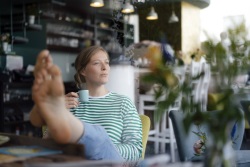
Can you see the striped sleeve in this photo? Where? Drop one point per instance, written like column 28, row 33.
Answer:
column 131, row 144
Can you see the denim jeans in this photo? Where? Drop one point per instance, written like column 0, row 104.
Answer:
column 98, row 145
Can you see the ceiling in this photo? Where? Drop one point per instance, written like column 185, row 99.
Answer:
column 117, row 4
column 199, row 3
column 83, row 5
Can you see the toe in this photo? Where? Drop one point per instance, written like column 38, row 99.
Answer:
column 44, row 60
column 55, row 71
column 43, row 54
column 57, row 87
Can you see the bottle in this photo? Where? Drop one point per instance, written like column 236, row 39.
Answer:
column 17, row 131
column 6, row 94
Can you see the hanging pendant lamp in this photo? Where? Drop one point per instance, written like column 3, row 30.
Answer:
column 173, row 18
column 97, row 3
column 152, row 14
column 128, row 8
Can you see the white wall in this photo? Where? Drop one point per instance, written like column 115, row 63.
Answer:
column 212, row 16
column 64, row 61
column 122, row 80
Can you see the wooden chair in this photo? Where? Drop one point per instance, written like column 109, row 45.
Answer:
column 162, row 133
column 200, row 83
column 145, row 130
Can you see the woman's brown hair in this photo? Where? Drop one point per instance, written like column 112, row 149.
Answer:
column 81, row 62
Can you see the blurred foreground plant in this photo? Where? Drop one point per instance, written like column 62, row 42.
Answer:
column 226, row 61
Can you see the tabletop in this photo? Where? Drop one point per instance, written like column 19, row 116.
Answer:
column 72, row 155
column 58, row 152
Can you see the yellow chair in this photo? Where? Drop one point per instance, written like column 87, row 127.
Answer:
column 213, row 101
column 145, row 121
column 212, row 104
column 44, row 129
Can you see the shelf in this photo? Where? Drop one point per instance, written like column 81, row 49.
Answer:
column 109, row 29
column 17, row 14
column 15, row 122
column 52, row 34
column 18, row 85
column 73, row 27
column 64, row 22
column 19, row 26
column 63, row 48
column 70, row 23
column 17, row 101
column 37, row 27
column 100, row 15
column 48, row 15
column 20, row 40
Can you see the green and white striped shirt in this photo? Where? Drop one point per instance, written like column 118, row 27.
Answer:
column 118, row 115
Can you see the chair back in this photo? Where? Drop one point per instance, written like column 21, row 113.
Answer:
column 145, row 121
column 242, row 103
column 204, row 85
column 195, row 80
column 246, row 108
column 200, row 83
column 238, row 131
column 185, row 140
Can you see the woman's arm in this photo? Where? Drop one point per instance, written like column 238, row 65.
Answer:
column 131, row 147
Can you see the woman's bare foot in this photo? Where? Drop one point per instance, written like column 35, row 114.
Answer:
column 44, row 60
column 48, row 95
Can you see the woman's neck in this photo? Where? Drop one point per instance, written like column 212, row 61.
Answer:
column 97, row 91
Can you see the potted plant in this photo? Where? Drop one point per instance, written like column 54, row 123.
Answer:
column 228, row 61
column 32, row 12
column 5, row 39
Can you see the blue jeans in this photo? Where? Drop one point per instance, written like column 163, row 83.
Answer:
column 98, row 145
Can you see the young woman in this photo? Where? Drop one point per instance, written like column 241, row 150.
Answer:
column 110, row 124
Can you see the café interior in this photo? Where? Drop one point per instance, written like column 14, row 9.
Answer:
column 191, row 95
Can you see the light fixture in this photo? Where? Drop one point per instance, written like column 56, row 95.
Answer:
column 152, row 14
column 173, row 18
column 128, row 8
column 97, row 3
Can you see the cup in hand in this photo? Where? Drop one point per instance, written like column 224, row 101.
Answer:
column 83, row 95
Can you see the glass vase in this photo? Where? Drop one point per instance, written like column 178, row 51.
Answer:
column 220, row 154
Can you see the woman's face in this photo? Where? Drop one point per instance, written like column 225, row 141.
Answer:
column 97, row 70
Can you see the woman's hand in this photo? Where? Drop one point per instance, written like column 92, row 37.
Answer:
column 71, row 100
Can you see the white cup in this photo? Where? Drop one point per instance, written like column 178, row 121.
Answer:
column 83, row 95
column 31, row 19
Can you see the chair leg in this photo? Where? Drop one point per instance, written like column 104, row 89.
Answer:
column 171, row 136
column 163, row 127
column 172, row 146
column 156, row 142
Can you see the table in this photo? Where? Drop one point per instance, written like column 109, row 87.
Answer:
column 72, row 156
column 70, row 152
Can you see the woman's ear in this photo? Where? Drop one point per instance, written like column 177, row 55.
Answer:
column 83, row 72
